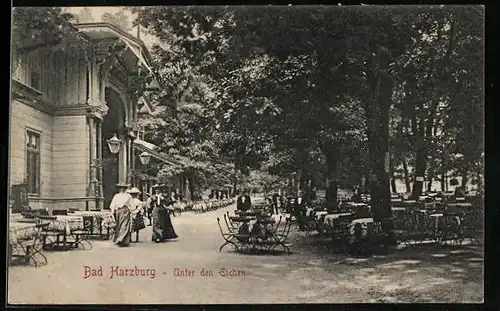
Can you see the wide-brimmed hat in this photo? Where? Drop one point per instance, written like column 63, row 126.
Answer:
column 155, row 186
column 122, row 185
column 134, row 191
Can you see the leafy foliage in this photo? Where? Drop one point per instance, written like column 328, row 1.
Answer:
column 120, row 19
column 319, row 99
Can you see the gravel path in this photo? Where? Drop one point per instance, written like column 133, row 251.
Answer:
column 310, row 275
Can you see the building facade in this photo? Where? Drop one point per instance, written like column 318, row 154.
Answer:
column 65, row 105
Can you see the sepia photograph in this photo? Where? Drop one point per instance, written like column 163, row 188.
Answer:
column 246, row 155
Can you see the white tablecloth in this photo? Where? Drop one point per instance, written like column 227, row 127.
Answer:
column 21, row 230
column 104, row 218
column 364, row 225
column 331, row 217
column 319, row 214
column 66, row 223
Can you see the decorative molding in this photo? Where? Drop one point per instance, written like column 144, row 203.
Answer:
column 103, row 49
column 79, row 110
column 36, row 199
column 38, row 105
column 25, row 90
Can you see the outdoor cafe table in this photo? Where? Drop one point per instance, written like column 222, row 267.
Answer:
column 460, row 205
column 66, row 223
column 332, row 217
column 445, row 224
column 242, row 219
column 100, row 220
column 15, row 217
column 248, row 223
column 320, row 214
column 21, row 231
column 365, row 224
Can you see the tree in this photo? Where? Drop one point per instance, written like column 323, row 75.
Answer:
column 298, row 102
column 85, row 16
column 120, row 19
column 34, row 27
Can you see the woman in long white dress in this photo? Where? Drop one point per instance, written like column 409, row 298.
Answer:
column 120, row 209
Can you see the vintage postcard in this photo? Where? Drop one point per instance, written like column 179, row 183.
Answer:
column 260, row 154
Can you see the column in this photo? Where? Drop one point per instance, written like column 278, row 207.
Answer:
column 99, row 203
column 92, row 167
column 122, row 159
column 129, row 161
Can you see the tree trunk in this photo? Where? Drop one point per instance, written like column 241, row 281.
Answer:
column 393, row 185
column 420, row 162
column 429, row 185
column 191, row 186
column 182, row 186
column 378, row 143
column 446, row 181
column 406, row 175
column 235, row 180
column 331, row 156
column 443, row 177
column 366, row 188
column 393, row 179
column 465, row 178
column 301, row 182
column 479, row 178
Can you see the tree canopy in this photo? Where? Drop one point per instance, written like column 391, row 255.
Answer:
column 331, row 92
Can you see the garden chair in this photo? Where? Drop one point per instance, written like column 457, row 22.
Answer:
column 30, row 249
column 280, row 236
column 81, row 237
column 472, row 226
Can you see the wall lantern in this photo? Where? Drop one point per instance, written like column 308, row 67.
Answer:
column 145, row 157
column 114, row 144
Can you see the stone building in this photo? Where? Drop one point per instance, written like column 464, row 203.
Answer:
column 65, row 106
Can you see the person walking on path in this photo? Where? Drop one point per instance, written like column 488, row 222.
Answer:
column 120, row 209
column 162, row 224
column 137, row 213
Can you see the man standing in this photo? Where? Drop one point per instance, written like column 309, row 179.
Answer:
column 275, row 202
column 243, row 203
column 299, row 208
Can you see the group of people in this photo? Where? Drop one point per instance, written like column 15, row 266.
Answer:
column 292, row 204
column 128, row 212
column 218, row 194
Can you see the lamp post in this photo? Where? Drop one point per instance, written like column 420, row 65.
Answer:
column 114, row 144
column 145, row 157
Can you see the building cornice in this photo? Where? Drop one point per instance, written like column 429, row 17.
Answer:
column 36, row 199
column 74, row 110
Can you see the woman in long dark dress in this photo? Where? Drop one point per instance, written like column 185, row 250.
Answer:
column 162, row 224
